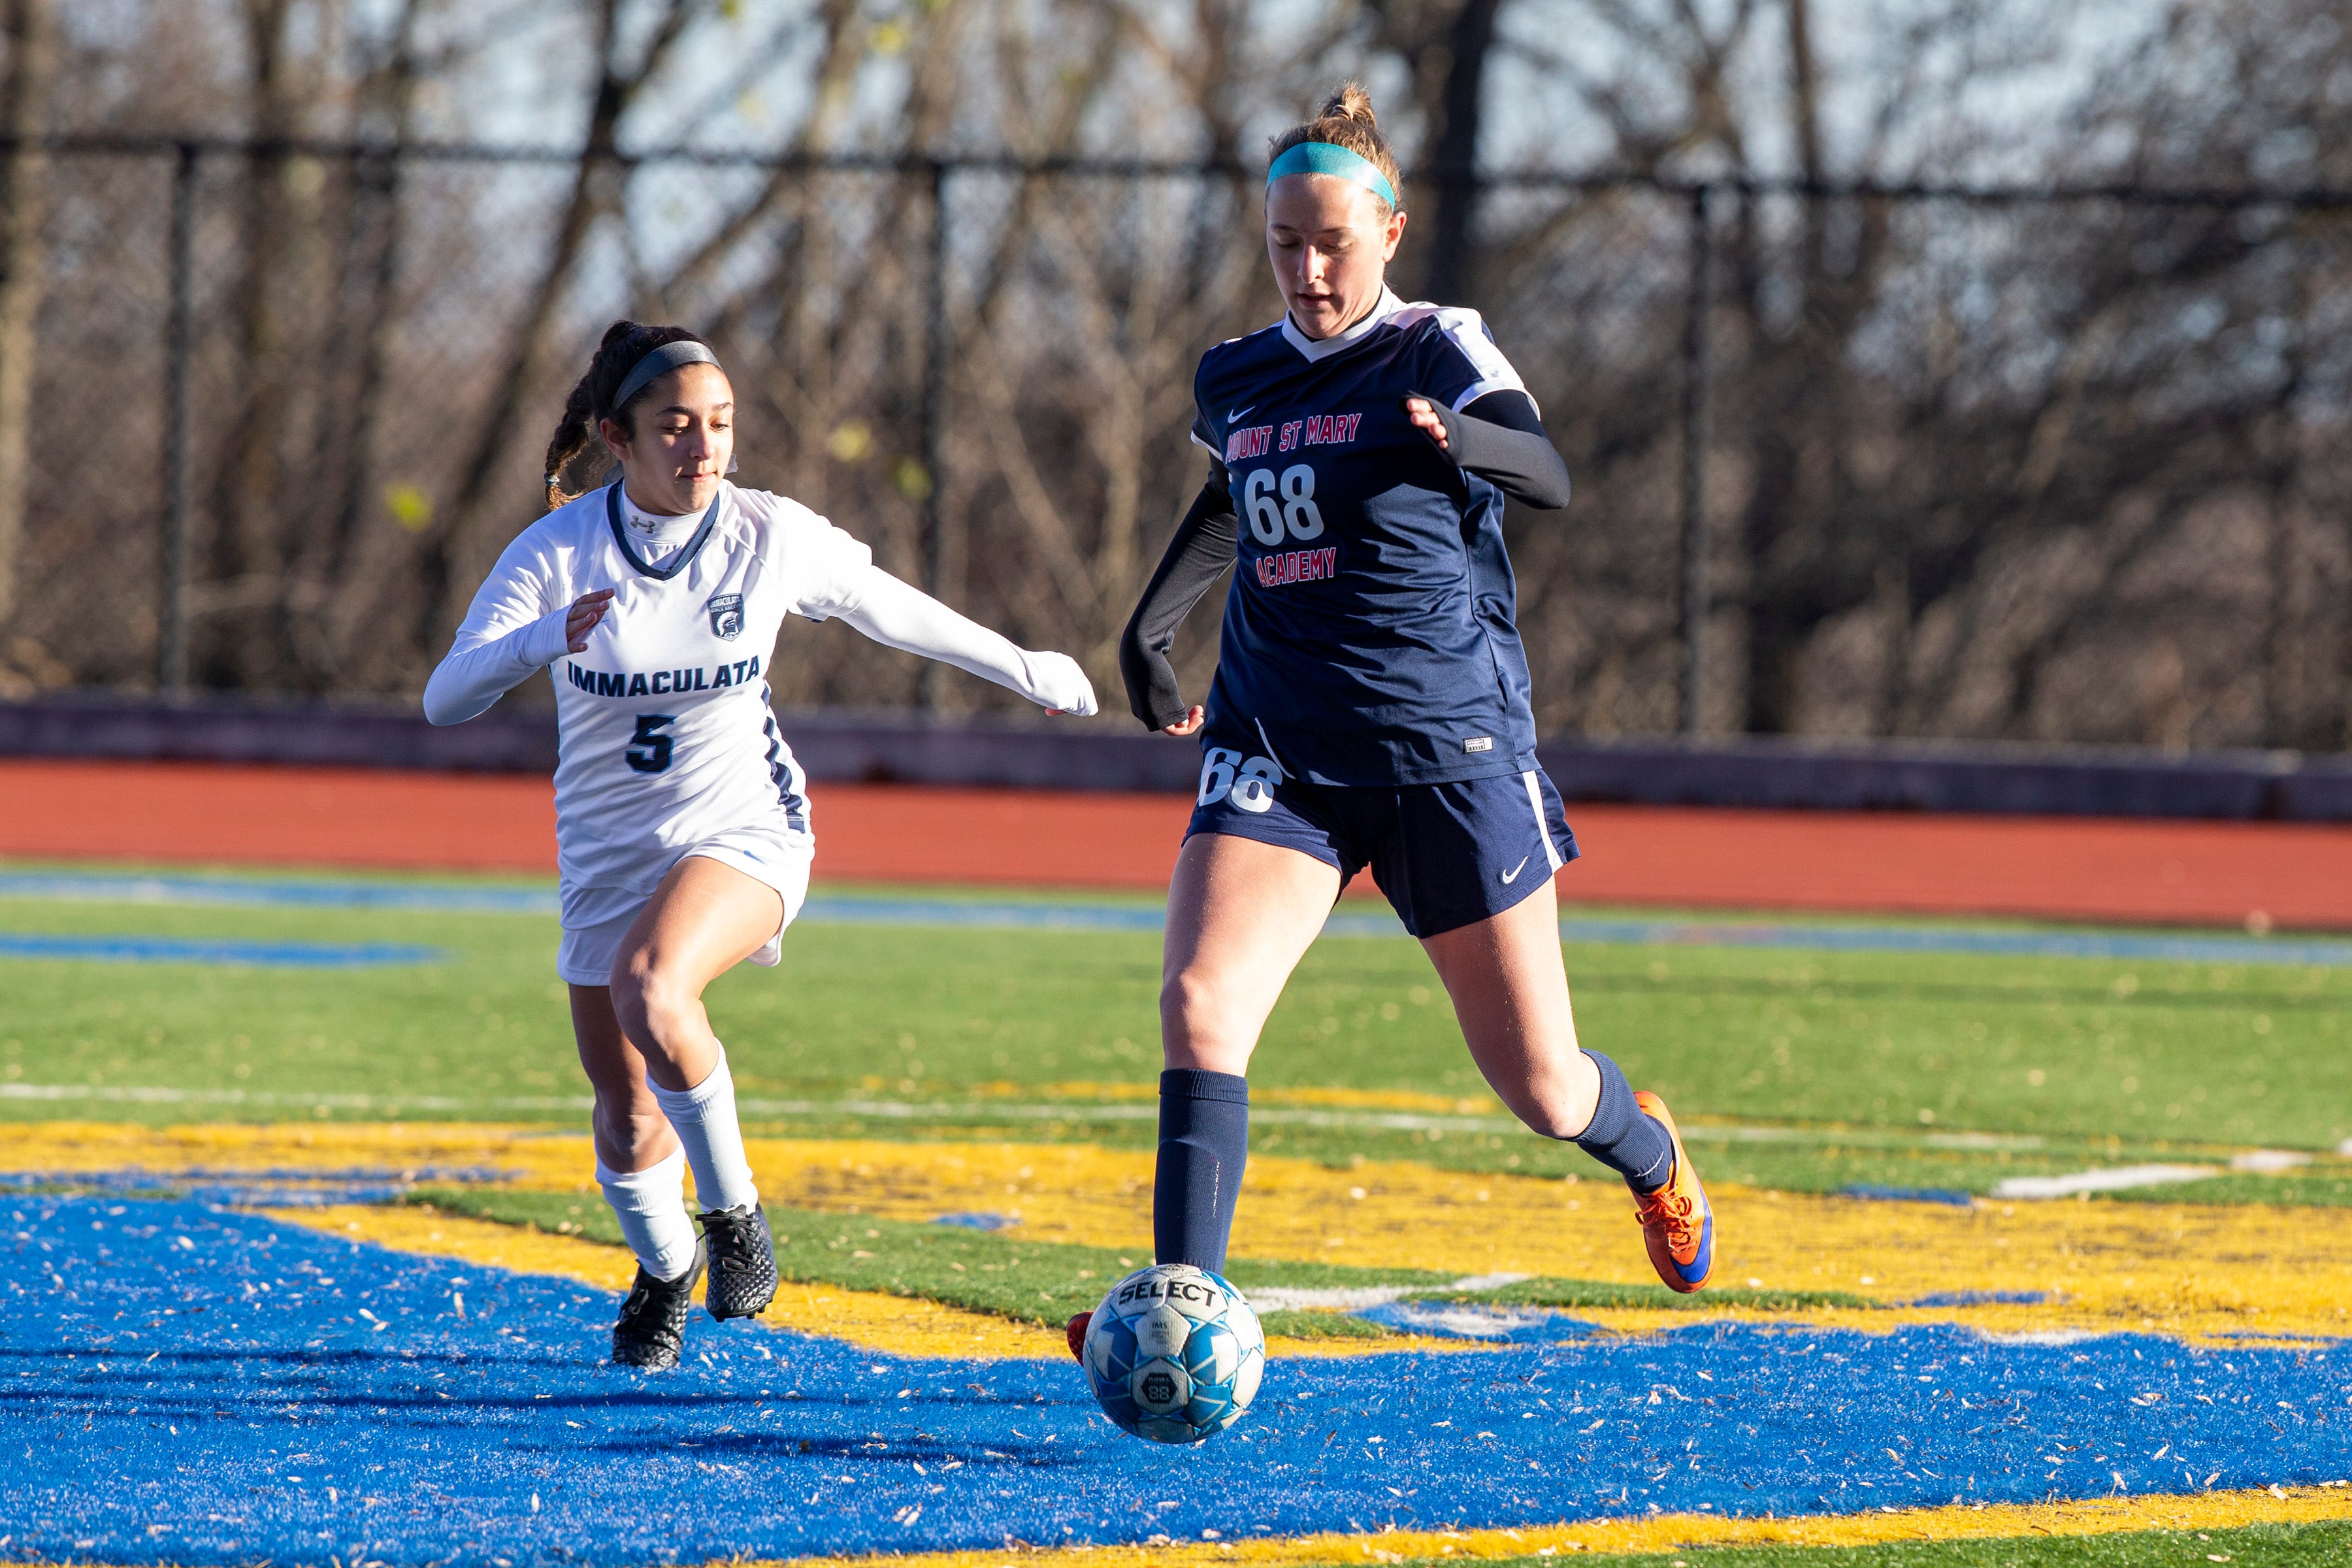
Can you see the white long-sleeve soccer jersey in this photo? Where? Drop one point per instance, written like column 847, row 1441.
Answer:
column 666, row 739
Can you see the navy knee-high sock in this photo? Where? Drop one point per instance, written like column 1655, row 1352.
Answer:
column 1203, row 1144
column 1624, row 1137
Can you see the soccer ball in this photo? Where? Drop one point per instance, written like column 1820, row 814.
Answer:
column 1174, row 1353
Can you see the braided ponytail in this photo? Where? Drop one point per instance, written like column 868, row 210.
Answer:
column 591, row 402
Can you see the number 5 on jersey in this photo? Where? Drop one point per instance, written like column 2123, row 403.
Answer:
column 655, row 758
column 1275, row 505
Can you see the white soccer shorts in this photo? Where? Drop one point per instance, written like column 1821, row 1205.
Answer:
column 596, row 919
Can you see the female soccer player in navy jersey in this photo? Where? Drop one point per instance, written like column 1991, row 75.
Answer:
column 1371, row 705
column 681, row 820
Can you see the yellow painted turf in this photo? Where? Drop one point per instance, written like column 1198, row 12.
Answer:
column 1677, row 1532
column 897, row 1324
column 875, row 1320
column 2197, row 1272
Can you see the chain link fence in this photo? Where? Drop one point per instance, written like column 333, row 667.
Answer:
column 2032, row 464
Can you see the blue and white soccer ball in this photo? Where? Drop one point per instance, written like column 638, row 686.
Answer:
column 1174, row 1353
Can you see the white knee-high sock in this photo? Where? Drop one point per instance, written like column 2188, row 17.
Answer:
column 651, row 1208
column 704, row 1118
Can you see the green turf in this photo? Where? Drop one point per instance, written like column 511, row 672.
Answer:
column 1843, row 1067
column 1323, row 1325
column 2331, row 1190
column 2256, row 1546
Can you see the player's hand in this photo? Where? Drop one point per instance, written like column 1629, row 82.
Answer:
column 1059, row 685
column 1194, row 717
column 1422, row 413
column 586, row 611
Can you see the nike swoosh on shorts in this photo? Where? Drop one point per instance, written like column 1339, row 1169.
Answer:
column 1512, row 875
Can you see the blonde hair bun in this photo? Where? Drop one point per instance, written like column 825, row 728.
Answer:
column 1350, row 102
column 1346, row 121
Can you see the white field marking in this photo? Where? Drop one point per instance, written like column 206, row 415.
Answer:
column 1859, row 1138
column 1355, row 1298
column 2114, row 1179
column 983, row 1111
column 133, row 1094
column 2038, row 1336
column 1473, row 1322
column 880, row 1109
column 2265, row 1161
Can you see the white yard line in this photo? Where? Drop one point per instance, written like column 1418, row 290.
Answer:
column 2119, row 1178
column 2269, row 1162
column 2114, row 1179
column 1360, row 1297
column 2263, row 1161
column 136, row 1094
column 880, row 1109
column 992, row 1110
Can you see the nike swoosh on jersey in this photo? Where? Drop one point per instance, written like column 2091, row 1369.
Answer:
column 1513, row 874
column 1238, row 413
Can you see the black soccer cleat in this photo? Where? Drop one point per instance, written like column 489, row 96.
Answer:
column 651, row 1330
column 742, row 1262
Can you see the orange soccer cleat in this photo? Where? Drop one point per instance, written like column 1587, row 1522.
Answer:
column 1677, row 1224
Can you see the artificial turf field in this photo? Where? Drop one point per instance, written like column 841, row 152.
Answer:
column 283, row 1141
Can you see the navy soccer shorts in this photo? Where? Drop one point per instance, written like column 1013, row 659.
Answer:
column 1447, row 854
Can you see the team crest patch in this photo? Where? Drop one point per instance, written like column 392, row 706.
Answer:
column 726, row 614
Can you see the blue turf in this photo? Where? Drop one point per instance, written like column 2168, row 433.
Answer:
column 288, row 1188
column 1965, row 940
column 1951, row 1197
column 239, row 891
column 239, row 955
column 1073, row 915
column 305, row 1433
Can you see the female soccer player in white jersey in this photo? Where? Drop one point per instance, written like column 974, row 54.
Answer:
column 682, row 830
column 1370, row 707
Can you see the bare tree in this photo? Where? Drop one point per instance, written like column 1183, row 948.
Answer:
column 31, row 30
column 328, row 593
column 244, row 556
column 2034, row 470
column 452, row 544
column 1447, row 46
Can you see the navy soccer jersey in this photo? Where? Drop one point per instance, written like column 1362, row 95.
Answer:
column 1369, row 635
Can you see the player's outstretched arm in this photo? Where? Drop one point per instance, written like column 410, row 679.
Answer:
column 504, row 642
column 1500, row 438
column 1198, row 555
column 905, row 618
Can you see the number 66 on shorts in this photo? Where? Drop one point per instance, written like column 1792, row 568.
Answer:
column 1250, row 781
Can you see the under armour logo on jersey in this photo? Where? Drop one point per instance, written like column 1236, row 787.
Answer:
column 726, row 614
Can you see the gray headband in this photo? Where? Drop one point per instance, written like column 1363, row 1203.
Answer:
column 658, row 364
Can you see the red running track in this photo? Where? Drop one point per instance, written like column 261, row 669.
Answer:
column 2264, row 873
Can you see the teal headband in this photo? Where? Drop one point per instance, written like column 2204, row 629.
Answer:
column 1330, row 158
